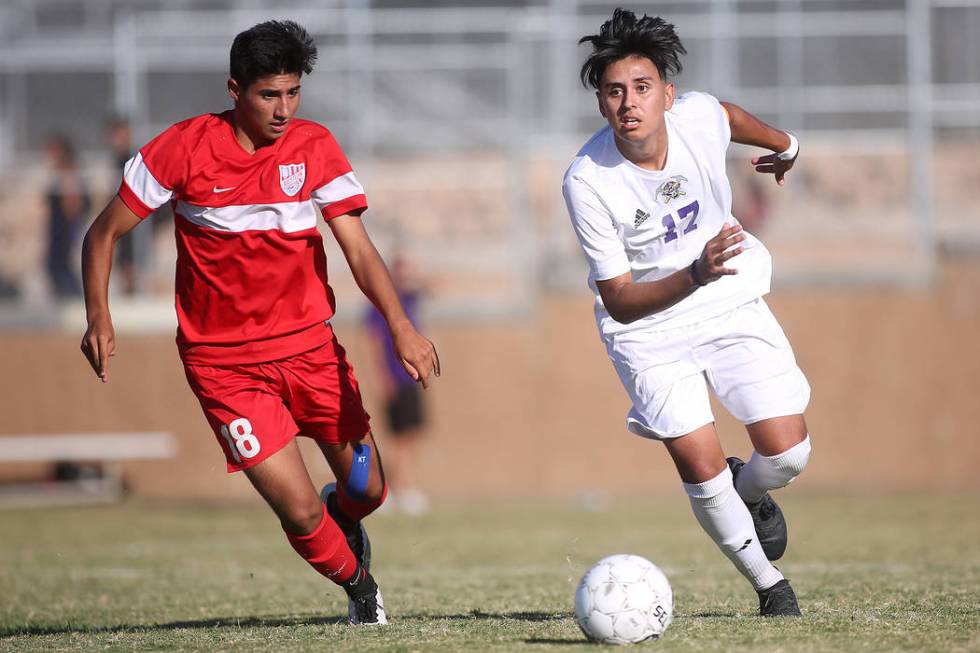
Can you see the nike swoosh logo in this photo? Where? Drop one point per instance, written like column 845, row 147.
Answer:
column 222, row 190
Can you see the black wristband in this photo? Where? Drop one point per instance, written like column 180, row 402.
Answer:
column 694, row 273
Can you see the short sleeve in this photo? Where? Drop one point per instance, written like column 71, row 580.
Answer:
column 706, row 112
column 155, row 173
column 596, row 232
column 338, row 192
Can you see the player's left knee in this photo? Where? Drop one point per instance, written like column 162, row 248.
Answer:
column 791, row 463
column 364, row 489
column 361, row 484
column 373, row 493
column 376, row 494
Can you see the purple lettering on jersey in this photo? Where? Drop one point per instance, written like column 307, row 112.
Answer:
column 690, row 209
column 668, row 222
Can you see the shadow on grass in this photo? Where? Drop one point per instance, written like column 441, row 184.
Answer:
column 515, row 616
column 220, row 622
column 264, row 622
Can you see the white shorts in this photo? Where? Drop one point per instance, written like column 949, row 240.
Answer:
column 742, row 354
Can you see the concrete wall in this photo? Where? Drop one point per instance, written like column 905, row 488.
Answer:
column 534, row 408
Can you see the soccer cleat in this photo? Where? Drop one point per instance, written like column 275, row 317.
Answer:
column 365, row 607
column 354, row 532
column 770, row 525
column 779, row 601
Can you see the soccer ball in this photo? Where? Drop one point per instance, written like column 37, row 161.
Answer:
column 623, row 599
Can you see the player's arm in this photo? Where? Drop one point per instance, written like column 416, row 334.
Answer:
column 99, row 341
column 749, row 130
column 416, row 352
column 627, row 301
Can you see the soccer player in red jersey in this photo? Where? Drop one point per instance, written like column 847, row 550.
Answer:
column 253, row 302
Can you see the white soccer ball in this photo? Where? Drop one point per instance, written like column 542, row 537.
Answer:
column 623, row 599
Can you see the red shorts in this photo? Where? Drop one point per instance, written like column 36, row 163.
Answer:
column 256, row 409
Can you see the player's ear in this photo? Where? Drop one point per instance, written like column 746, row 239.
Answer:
column 234, row 91
column 602, row 109
column 668, row 95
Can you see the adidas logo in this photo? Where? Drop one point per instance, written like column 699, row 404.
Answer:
column 640, row 218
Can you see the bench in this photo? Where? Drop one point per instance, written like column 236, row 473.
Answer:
column 99, row 455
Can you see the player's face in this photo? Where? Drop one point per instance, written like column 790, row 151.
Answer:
column 264, row 109
column 633, row 99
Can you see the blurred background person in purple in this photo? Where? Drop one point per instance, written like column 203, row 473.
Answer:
column 405, row 416
column 68, row 203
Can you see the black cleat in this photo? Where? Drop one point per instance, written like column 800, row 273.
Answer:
column 770, row 525
column 779, row 601
column 364, row 603
column 354, row 532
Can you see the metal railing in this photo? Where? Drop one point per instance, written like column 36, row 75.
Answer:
column 495, row 90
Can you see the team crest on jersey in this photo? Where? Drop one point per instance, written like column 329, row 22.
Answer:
column 291, row 177
column 671, row 189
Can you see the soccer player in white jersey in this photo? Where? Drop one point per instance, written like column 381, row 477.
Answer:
column 679, row 289
column 253, row 305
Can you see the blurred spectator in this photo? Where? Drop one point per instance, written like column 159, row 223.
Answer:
column 8, row 289
column 133, row 250
column 404, row 410
column 751, row 205
column 68, row 205
column 118, row 137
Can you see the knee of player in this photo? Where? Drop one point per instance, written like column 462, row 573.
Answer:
column 365, row 481
column 793, row 461
column 303, row 518
column 713, row 492
column 373, row 492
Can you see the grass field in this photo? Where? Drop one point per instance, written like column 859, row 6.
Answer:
column 872, row 574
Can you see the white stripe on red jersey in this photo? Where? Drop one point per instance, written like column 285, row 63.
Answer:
column 139, row 178
column 337, row 190
column 251, row 278
column 286, row 217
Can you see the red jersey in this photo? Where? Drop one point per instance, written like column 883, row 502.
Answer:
column 251, row 280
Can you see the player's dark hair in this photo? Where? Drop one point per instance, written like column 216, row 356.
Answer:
column 625, row 35
column 271, row 48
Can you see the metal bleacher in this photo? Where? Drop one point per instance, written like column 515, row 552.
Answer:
column 459, row 119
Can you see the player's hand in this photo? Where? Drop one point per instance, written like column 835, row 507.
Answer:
column 772, row 164
column 98, row 345
column 711, row 264
column 416, row 353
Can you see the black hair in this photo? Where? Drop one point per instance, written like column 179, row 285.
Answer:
column 64, row 144
column 271, row 48
column 116, row 120
column 625, row 35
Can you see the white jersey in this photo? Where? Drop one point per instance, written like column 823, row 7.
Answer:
column 654, row 223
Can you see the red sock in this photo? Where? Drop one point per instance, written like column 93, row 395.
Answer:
column 326, row 550
column 358, row 509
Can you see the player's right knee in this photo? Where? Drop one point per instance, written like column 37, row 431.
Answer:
column 711, row 492
column 303, row 519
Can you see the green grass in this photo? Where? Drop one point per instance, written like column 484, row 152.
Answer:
column 872, row 574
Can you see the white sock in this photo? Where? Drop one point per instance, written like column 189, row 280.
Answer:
column 764, row 473
column 724, row 517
